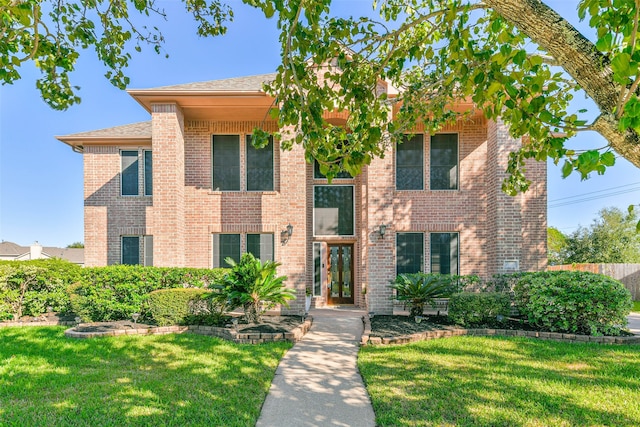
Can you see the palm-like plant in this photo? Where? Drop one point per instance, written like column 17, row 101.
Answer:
column 255, row 287
column 418, row 290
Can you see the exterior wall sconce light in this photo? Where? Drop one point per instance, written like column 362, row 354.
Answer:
column 382, row 230
column 285, row 235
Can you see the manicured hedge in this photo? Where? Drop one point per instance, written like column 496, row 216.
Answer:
column 29, row 288
column 174, row 306
column 115, row 292
column 573, row 302
column 479, row 308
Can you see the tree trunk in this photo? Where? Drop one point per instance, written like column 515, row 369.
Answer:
column 580, row 59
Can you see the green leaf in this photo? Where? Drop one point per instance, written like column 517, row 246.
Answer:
column 567, row 168
column 608, row 159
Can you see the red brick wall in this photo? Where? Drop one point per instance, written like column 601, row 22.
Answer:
column 107, row 214
column 184, row 211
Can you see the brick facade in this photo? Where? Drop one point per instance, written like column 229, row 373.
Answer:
column 496, row 232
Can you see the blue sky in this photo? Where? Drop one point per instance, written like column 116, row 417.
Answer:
column 41, row 195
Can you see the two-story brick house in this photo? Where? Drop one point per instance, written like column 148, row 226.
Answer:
column 188, row 189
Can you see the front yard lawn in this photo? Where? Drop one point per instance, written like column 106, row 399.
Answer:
column 47, row 379
column 489, row 381
column 636, row 307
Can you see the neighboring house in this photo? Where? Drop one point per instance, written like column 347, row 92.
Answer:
column 13, row 252
column 188, row 189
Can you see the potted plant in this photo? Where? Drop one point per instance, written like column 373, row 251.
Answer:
column 307, row 300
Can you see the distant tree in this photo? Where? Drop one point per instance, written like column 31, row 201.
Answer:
column 611, row 238
column 556, row 246
column 76, row 245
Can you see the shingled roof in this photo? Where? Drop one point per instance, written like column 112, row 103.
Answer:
column 235, row 84
column 133, row 130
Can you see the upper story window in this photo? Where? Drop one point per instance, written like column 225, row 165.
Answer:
column 148, row 173
column 444, row 161
column 333, row 210
column 259, row 166
column 410, row 163
column 226, row 162
column 130, row 172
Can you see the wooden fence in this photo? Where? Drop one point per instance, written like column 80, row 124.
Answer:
column 629, row 274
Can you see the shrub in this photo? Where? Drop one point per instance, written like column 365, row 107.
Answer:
column 31, row 287
column 255, row 287
column 481, row 308
column 420, row 289
column 115, row 292
column 574, row 302
column 173, row 306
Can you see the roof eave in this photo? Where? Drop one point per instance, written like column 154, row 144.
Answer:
column 140, row 94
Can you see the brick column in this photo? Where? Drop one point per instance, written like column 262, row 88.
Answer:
column 380, row 250
column 504, row 236
column 293, row 210
column 169, row 187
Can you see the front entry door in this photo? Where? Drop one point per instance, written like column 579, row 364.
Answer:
column 340, row 263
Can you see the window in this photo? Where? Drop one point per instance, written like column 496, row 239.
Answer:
column 148, row 173
column 333, row 210
column 261, row 246
column 444, row 161
column 131, row 250
column 410, row 164
column 318, row 175
column 225, row 246
column 129, row 173
column 409, row 252
column 226, row 163
column 444, row 253
column 259, row 166
column 148, row 250
column 317, row 268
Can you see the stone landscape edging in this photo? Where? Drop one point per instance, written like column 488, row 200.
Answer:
column 367, row 339
column 229, row 334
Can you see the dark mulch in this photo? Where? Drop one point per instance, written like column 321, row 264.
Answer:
column 273, row 324
column 393, row 326
column 270, row 324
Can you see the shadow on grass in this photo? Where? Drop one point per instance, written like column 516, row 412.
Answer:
column 48, row 379
column 472, row 381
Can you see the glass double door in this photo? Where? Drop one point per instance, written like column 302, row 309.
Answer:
column 340, row 272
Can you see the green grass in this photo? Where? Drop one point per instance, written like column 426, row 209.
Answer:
column 636, row 306
column 474, row 381
column 47, row 379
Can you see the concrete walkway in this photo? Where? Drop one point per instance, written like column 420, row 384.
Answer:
column 317, row 382
column 634, row 323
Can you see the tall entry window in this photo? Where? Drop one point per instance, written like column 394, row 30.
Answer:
column 333, row 210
